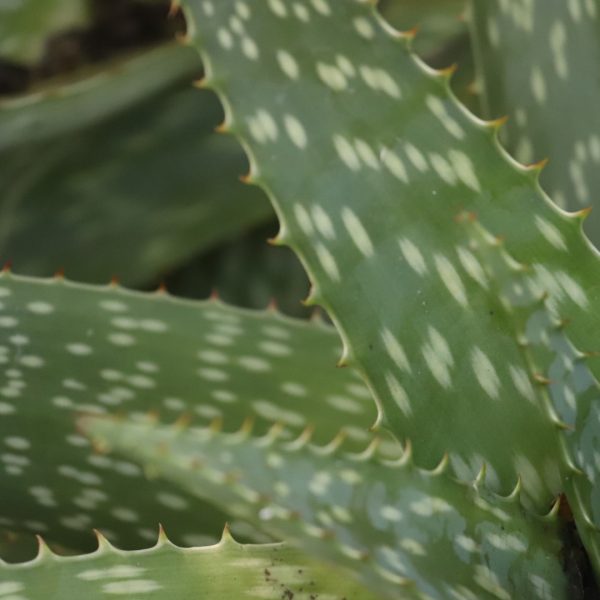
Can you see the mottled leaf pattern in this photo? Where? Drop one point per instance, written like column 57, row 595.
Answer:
column 225, row 570
column 395, row 162
column 405, row 532
column 67, row 349
column 561, row 40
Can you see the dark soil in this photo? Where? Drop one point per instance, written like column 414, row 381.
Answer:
column 116, row 27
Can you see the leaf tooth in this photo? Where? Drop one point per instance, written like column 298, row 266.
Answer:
column 174, row 8
column 246, row 427
column 495, row 125
column 567, row 458
column 216, row 425
column 314, row 296
column 333, row 446
column 346, row 358
column 535, row 169
column 552, row 514
column 515, row 494
column 163, row 538
column 104, row 546
column 480, row 478
column 441, row 467
column 275, row 432
column 227, row 538
column 405, row 459
column 368, row 453
column 447, row 72
column 7, row 268
column 43, row 550
column 302, row 440
column 582, row 214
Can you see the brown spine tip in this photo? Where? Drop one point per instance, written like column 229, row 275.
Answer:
column 214, row 295
column 538, row 166
column 583, row 214
column 162, row 288
column 498, row 123
column 222, row 128
column 272, row 306
column 174, row 9
column 114, row 281
column 541, row 379
column 60, row 273
column 7, row 267
column 411, row 34
column 449, row 71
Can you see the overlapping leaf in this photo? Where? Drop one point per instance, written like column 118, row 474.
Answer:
column 406, row 533
column 80, row 171
column 226, row 570
column 67, row 349
column 552, row 97
column 25, row 25
column 372, row 165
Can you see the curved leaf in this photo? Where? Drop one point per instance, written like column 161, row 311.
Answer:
column 562, row 43
column 226, row 570
column 67, row 349
column 403, row 531
column 81, row 172
column 396, row 166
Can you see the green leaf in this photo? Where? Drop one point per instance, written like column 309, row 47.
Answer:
column 81, row 171
column 225, row 570
column 392, row 194
column 552, row 97
column 25, row 25
column 437, row 21
column 403, row 531
column 67, row 349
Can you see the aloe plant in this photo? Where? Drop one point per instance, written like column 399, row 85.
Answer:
column 455, row 455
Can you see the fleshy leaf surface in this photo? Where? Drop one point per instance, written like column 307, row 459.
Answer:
column 67, row 349
column 374, row 169
column 405, row 532
column 224, row 571
column 100, row 179
column 562, row 42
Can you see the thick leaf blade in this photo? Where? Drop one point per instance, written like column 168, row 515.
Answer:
column 397, row 167
column 562, row 43
column 226, row 570
column 81, row 172
column 403, row 531
column 67, row 349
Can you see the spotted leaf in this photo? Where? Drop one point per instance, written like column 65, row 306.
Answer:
column 67, row 349
column 405, row 532
column 225, row 570
column 560, row 39
column 374, row 169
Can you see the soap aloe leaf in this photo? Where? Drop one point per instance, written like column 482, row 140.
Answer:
column 397, row 166
column 404, row 532
column 67, row 349
column 225, row 570
column 100, row 180
column 562, row 43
